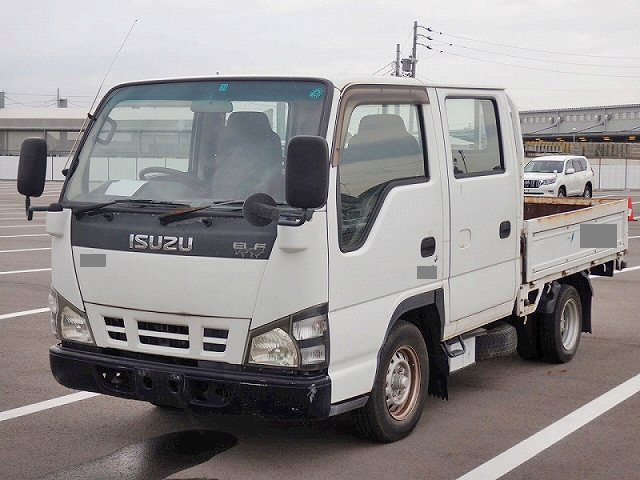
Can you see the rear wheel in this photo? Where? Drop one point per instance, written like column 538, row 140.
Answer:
column 560, row 330
column 587, row 191
column 399, row 389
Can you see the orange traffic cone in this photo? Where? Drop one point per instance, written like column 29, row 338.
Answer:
column 630, row 210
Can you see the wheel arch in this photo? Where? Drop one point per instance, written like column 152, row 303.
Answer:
column 426, row 312
column 580, row 281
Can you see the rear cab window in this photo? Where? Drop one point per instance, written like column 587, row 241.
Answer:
column 476, row 145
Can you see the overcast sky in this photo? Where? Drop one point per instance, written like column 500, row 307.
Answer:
column 547, row 53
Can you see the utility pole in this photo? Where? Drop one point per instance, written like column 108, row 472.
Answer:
column 60, row 102
column 413, row 52
column 406, row 67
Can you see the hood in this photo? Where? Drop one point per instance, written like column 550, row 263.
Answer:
column 133, row 262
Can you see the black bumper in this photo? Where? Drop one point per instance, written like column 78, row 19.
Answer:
column 232, row 392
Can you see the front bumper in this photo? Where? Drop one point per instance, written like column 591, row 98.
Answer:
column 541, row 192
column 230, row 392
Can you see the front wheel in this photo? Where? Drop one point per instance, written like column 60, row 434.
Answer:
column 399, row 389
column 560, row 330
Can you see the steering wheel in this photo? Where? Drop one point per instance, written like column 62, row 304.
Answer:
column 190, row 181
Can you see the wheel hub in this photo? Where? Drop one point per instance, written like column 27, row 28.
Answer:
column 402, row 383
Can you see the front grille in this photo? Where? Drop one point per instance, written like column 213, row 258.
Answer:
column 163, row 335
column 115, row 328
column 185, row 336
column 215, row 340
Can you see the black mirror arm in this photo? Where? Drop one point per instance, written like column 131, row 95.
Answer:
column 29, row 209
column 289, row 219
column 295, row 219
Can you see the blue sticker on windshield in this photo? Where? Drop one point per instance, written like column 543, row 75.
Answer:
column 223, row 87
column 316, row 93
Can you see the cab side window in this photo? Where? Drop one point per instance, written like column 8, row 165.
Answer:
column 382, row 144
column 475, row 137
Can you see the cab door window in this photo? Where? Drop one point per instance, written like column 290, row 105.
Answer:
column 474, row 135
column 382, row 147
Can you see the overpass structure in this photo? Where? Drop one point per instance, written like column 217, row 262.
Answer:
column 617, row 123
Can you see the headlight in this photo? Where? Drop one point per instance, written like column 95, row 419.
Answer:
column 298, row 341
column 274, row 347
column 550, row 181
column 67, row 322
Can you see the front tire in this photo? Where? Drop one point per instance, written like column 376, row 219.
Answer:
column 560, row 330
column 562, row 192
column 399, row 389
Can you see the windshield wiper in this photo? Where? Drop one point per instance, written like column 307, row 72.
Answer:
column 96, row 208
column 184, row 213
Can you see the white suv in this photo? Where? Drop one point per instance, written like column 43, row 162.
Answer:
column 558, row 176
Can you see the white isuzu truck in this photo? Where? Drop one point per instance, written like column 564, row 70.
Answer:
column 304, row 247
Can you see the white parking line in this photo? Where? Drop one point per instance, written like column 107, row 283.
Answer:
column 22, row 226
column 537, row 443
column 47, row 404
column 26, row 271
column 26, row 235
column 628, row 269
column 25, row 250
column 7, row 316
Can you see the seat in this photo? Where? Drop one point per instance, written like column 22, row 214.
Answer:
column 249, row 158
column 381, row 136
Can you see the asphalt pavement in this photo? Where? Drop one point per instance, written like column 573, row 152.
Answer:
column 505, row 417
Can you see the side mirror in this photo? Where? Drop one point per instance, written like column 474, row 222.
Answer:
column 32, row 172
column 32, row 168
column 307, row 172
column 571, row 171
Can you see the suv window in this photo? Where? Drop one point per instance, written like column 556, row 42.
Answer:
column 581, row 164
column 382, row 144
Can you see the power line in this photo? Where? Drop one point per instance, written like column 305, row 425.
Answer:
column 47, row 95
column 608, row 57
column 605, row 75
column 546, row 60
column 386, row 66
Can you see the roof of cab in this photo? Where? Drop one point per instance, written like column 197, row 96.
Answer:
column 339, row 81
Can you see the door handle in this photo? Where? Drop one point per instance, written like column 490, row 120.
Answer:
column 505, row 229
column 427, row 247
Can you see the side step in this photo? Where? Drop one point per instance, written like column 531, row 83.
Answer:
column 499, row 339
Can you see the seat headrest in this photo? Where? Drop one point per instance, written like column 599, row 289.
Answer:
column 382, row 126
column 249, row 122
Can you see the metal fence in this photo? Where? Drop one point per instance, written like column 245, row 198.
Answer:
column 616, row 173
column 610, row 173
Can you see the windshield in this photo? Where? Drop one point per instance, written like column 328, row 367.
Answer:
column 194, row 143
column 544, row 166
